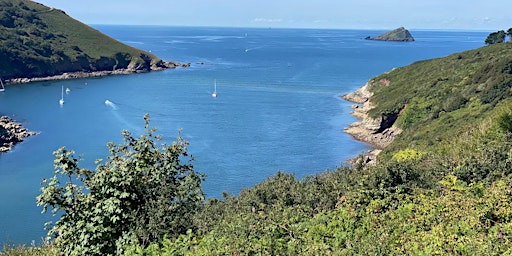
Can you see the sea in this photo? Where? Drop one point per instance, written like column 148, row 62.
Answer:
column 278, row 106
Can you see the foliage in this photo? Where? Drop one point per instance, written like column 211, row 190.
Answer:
column 36, row 40
column 505, row 121
column 23, row 250
column 407, row 154
column 140, row 194
column 496, row 37
column 454, row 200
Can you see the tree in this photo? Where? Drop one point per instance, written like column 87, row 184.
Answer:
column 509, row 33
column 141, row 193
column 496, row 37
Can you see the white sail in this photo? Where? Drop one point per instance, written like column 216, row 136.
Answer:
column 214, row 94
column 61, row 101
column 2, row 88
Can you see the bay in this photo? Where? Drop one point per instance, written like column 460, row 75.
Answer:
column 278, row 106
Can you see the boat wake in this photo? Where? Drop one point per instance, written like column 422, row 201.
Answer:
column 111, row 104
column 120, row 118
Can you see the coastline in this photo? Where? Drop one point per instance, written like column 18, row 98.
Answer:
column 85, row 74
column 11, row 133
column 368, row 130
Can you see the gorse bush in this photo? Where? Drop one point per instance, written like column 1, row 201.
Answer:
column 141, row 193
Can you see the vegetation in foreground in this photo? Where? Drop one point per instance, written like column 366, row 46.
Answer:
column 414, row 204
column 444, row 187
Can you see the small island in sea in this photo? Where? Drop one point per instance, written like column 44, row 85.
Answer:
column 398, row 35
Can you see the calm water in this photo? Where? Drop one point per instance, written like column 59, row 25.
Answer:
column 278, row 106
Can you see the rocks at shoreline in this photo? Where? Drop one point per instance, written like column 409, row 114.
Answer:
column 11, row 133
column 83, row 74
column 369, row 130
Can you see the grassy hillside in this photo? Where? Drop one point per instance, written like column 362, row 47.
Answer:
column 36, row 41
column 435, row 99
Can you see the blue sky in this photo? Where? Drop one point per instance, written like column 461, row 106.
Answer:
column 485, row 15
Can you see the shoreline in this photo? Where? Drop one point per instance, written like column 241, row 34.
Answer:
column 86, row 74
column 368, row 130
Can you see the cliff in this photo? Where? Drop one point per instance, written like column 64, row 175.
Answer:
column 377, row 132
column 38, row 41
column 400, row 34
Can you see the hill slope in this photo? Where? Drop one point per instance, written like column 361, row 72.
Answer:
column 38, row 41
column 433, row 100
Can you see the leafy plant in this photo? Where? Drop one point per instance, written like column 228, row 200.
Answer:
column 141, row 193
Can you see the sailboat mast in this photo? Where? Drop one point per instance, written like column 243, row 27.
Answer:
column 214, row 94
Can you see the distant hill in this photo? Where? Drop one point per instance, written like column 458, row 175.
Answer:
column 39, row 41
column 400, row 34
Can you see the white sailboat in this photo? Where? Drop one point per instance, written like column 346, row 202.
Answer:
column 214, row 94
column 61, row 101
column 2, row 84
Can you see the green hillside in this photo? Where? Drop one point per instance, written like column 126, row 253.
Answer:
column 38, row 41
column 435, row 99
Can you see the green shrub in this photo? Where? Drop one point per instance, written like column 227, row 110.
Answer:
column 140, row 194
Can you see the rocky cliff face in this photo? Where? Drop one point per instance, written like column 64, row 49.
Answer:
column 379, row 132
column 400, row 34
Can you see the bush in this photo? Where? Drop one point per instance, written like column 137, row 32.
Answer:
column 140, row 194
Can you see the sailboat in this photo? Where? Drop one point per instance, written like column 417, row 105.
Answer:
column 214, row 94
column 61, row 101
column 2, row 84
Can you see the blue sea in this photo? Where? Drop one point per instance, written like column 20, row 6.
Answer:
column 278, row 106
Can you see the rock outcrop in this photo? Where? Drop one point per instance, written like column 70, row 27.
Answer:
column 11, row 133
column 379, row 132
column 399, row 35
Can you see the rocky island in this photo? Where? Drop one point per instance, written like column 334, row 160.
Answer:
column 398, row 35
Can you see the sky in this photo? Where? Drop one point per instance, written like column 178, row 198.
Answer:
column 482, row 15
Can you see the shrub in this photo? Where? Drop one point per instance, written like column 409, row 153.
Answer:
column 140, row 194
